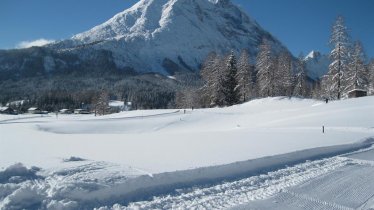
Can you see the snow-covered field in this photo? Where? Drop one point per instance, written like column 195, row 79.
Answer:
column 206, row 158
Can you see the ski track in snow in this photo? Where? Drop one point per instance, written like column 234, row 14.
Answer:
column 346, row 188
column 66, row 188
column 231, row 194
column 234, row 193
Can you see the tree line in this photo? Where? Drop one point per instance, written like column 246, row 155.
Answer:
column 228, row 80
column 349, row 69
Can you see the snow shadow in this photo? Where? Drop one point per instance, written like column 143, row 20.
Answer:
column 18, row 173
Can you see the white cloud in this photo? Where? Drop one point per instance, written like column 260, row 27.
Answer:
column 34, row 43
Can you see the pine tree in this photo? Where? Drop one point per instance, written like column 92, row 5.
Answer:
column 245, row 77
column 339, row 60
column 265, row 70
column 301, row 88
column 357, row 76
column 371, row 76
column 228, row 85
column 102, row 103
column 284, row 74
column 210, row 73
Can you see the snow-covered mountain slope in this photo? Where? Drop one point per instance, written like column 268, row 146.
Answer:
column 169, row 35
column 317, row 64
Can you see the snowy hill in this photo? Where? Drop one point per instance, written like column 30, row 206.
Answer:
column 83, row 162
column 317, row 64
column 169, row 35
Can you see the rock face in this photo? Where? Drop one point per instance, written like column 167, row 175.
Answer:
column 160, row 36
column 317, row 64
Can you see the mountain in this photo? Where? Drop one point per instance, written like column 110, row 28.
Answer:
column 132, row 54
column 161, row 36
column 317, row 64
column 165, row 36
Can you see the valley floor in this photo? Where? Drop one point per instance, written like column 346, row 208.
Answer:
column 268, row 153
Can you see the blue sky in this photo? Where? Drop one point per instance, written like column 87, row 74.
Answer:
column 302, row 25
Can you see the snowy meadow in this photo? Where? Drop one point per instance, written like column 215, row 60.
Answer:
column 83, row 161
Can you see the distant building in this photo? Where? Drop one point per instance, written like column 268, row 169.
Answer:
column 81, row 111
column 7, row 110
column 34, row 110
column 116, row 106
column 65, row 111
column 119, row 106
column 356, row 93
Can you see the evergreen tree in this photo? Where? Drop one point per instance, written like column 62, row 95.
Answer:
column 210, row 73
column 102, row 103
column 228, row 85
column 245, row 77
column 265, row 70
column 284, row 75
column 339, row 60
column 301, row 88
column 371, row 76
column 187, row 98
column 357, row 76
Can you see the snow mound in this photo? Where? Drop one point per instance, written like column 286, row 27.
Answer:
column 18, row 173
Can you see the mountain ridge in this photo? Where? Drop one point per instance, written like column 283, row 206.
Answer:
column 317, row 64
column 151, row 34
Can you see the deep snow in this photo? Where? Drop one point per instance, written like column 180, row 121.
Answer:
column 168, row 140
column 75, row 160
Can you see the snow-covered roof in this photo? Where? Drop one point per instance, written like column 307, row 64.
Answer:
column 16, row 103
column 3, row 108
column 64, row 110
column 116, row 103
column 357, row 89
column 33, row 109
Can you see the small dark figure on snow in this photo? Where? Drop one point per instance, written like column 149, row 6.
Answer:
column 327, row 100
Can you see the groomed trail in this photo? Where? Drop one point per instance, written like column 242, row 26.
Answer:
column 339, row 181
